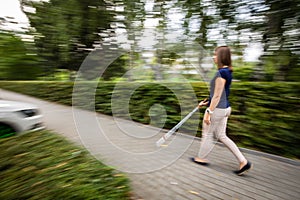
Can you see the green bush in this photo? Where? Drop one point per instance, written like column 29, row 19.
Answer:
column 243, row 73
column 265, row 115
column 43, row 165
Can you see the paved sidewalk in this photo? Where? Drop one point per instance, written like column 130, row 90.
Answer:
column 166, row 172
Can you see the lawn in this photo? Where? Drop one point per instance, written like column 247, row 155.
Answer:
column 44, row 165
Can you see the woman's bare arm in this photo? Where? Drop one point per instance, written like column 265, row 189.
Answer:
column 219, row 88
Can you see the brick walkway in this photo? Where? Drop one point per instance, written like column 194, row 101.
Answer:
column 167, row 172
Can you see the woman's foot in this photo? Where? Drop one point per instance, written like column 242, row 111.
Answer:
column 242, row 164
column 243, row 168
column 199, row 161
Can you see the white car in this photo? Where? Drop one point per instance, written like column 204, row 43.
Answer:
column 16, row 117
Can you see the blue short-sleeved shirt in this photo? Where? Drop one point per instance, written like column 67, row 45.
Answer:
column 226, row 74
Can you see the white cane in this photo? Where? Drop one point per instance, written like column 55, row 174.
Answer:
column 166, row 136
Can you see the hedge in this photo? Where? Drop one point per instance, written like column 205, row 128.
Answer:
column 265, row 115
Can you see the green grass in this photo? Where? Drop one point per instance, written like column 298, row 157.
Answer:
column 44, row 165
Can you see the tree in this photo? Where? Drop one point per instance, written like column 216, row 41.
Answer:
column 276, row 25
column 66, row 31
column 281, row 38
column 18, row 59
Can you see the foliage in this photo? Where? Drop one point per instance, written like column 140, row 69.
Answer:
column 238, row 23
column 244, row 72
column 66, row 31
column 281, row 37
column 265, row 115
column 43, row 165
column 115, row 69
column 18, row 59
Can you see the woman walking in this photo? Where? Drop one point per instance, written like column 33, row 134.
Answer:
column 218, row 111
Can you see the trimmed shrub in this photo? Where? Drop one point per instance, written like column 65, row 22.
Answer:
column 265, row 115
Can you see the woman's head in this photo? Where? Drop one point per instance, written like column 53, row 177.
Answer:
column 222, row 57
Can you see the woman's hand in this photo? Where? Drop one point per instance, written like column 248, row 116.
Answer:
column 206, row 118
column 203, row 103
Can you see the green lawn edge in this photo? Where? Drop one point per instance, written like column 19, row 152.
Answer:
column 44, row 165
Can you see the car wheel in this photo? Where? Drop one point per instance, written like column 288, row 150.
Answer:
column 6, row 131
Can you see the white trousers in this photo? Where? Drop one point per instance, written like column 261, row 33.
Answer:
column 217, row 128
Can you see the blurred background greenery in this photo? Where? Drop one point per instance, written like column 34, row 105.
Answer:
column 264, row 114
column 264, row 36
column 157, row 37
